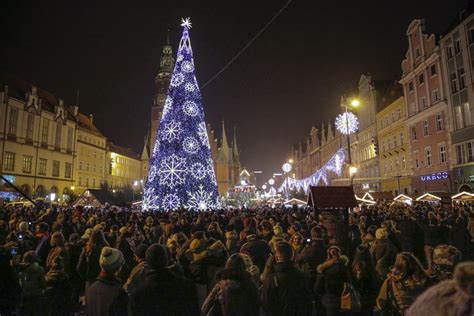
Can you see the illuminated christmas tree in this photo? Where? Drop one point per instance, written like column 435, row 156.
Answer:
column 181, row 171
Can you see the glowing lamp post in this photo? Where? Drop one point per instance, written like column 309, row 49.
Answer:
column 347, row 123
column 52, row 197
column 352, row 172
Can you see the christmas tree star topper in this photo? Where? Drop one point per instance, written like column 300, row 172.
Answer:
column 186, row 22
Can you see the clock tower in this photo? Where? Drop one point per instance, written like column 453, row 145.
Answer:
column 162, row 81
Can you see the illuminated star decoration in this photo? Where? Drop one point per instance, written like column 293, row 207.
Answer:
column 186, row 23
column 347, row 123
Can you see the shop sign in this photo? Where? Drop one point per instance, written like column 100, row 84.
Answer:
column 435, row 176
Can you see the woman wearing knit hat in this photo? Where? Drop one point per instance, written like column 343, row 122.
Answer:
column 106, row 295
column 58, row 249
column 383, row 253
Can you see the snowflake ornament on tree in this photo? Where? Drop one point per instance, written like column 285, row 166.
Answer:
column 172, row 131
column 172, row 171
column 181, row 170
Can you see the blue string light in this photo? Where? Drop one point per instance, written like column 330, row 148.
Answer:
column 181, row 171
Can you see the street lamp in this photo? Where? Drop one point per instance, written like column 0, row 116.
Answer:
column 352, row 172
column 135, row 183
column 52, row 196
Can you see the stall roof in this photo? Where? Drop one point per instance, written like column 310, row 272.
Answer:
column 378, row 196
column 295, row 200
column 332, row 197
column 402, row 197
column 428, row 197
column 463, row 196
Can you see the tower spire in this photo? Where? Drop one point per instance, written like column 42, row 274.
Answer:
column 225, row 144
column 234, row 144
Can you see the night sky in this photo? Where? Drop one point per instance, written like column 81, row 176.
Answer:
column 290, row 79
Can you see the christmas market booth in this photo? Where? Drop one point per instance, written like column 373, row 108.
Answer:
column 378, row 196
column 294, row 202
column 332, row 204
column 463, row 197
column 95, row 198
column 402, row 198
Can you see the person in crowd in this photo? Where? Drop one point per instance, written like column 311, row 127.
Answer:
column 58, row 292
column 235, row 293
column 58, row 249
column 286, row 290
column 106, row 296
column 10, row 290
column 332, row 274
column 257, row 249
column 214, row 231
column 313, row 254
column 88, row 266
column 433, row 235
column 383, row 253
column 161, row 291
column 365, row 281
column 232, row 241
column 451, row 297
column 406, row 281
column 126, row 244
column 139, row 271
column 32, row 284
column 445, row 258
column 265, row 230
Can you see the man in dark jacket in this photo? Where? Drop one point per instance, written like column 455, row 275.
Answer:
column 313, row 254
column 161, row 291
column 106, row 295
column 433, row 237
column 259, row 250
column 286, row 290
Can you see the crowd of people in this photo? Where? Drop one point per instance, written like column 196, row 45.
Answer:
column 397, row 260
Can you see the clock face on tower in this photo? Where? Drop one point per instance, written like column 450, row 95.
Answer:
column 161, row 98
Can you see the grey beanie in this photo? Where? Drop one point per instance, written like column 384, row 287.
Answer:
column 111, row 259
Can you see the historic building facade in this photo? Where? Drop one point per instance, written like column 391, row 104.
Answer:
column 37, row 134
column 123, row 168
column 394, row 146
column 427, row 112
column 457, row 52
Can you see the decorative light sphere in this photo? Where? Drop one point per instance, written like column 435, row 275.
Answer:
column 347, row 123
column 286, row 167
column 271, row 182
column 264, row 187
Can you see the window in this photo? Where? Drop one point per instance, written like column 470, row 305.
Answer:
column 80, row 181
column 421, row 79
column 399, row 113
column 426, row 128
column 381, row 124
column 467, row 114
column 9, row 164
column 460, row 154
column 27, row 163
column 416, row 160
column 393, row 117
column 428, row 157
column 462, row 79
column 93, row 183
column 459, row 117
column 410, row 86
column 67, row 170
column 42, row 166
column 87, row 182
column 386, row 120
column 471, row 36
column 29, row 126
column 470, row 151
column 59, row 130
column 433, row 70
column 404, row 163
column 436, row 95
column 413, row 133
column 413, row 108
column 457, row 45
column 449, row 50
column 423, row 102
column 401, row 138
column 87, row 166
column 417, row 52
column 439, row 122
column 13, row 121
column 69, row 139
column 45, row 131
column 453, row 78
column 55, row 168
column 443, row 158
column 394, row 141
column 80, row 165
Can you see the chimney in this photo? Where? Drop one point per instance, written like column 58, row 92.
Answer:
column 91, row 118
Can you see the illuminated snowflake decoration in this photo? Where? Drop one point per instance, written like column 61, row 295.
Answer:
column 347, row 123
column 172, row 171
column 186, row 22
column 180, row 58
column 177, row 79
column 190, row 145
column 202, row 133
column 200, row 200
column 189, row 87
column 151, row 199
column 198, row 171
column 172, row 131
column 190, row 108
column 187, row 66
column 167, row 106
column 170, row 202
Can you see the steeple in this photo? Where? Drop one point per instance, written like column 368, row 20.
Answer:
column 145, row 155
column 225, row 144
column 330, row 134
column 234, row 145
column 323, row 135
column 224, row 150
column 167, row 60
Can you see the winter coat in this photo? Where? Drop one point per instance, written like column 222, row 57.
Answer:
column 57, row 252
column 106, row 297
column 332, row 274
column 312, row 255
column 32, row 280
column 88, row 266
column 368, row 286
column 136, row 276
column 408, row 232
column 433, row 235
column 444, row 299
column 233, row 296
column 10, row 290
column 58, row 293
column 383, row 253
column 162, row 293
column 404, row 291
column 286, row 291
column 257, row 249
column 127, row 247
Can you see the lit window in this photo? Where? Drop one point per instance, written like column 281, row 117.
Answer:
column 9, row 164
column 27, row 163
